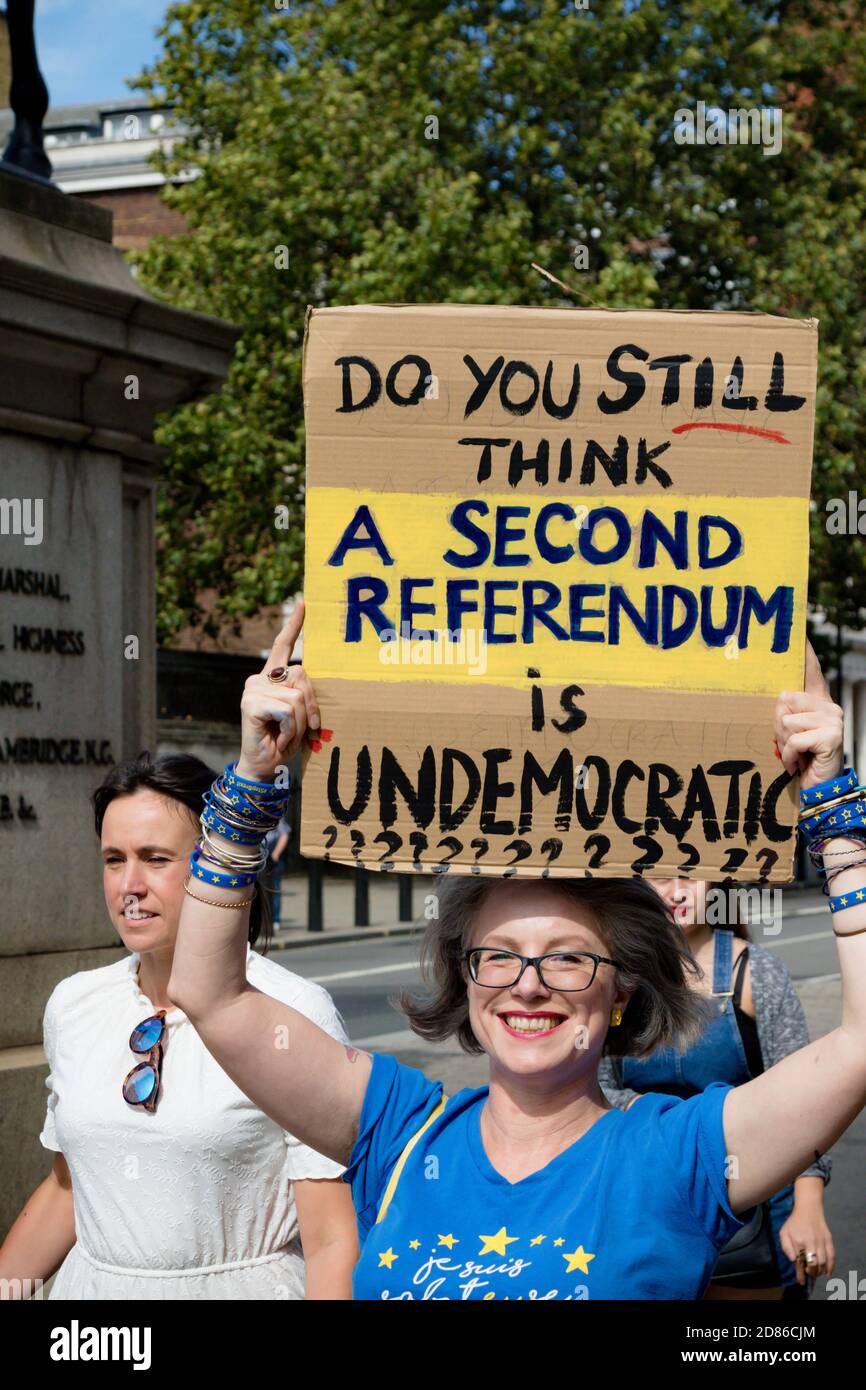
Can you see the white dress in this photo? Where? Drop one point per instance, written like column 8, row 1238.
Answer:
column 194, row 1201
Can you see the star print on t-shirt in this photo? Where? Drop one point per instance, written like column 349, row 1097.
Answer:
column 635, row 1208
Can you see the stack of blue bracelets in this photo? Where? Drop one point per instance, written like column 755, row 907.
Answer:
column 242, row 812
column 832, row 810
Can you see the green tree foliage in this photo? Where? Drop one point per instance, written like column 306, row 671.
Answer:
column 555, row 130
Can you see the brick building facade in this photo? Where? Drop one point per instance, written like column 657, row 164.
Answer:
column 100, row 151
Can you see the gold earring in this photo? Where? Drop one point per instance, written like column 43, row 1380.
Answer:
column 615, row 1017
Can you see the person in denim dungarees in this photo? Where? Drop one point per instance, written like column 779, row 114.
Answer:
column 728, row 1050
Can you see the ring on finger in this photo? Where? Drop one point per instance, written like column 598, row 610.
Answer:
column 278, row 674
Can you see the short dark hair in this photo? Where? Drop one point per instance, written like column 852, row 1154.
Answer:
column 184, row 778
column 634, row 923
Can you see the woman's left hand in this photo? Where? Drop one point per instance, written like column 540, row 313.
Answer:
column 807, row 1230
column 808, row 728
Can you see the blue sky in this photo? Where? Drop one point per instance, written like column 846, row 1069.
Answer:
column 87, row 47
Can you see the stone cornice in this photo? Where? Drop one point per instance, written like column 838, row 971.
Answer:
column 75, row 327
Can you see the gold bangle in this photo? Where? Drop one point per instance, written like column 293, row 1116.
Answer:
column 210, row 902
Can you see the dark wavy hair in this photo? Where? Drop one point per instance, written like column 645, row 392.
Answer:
column 635, row 925
column 183, row 778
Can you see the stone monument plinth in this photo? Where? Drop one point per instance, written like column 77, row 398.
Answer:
column 87, row 360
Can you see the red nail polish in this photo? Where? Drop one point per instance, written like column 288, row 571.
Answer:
column 326, row 734
column 315, row 745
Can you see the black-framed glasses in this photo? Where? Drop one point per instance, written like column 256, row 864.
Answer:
column 562, row 970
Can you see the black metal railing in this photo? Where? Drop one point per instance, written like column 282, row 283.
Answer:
column 315, row 872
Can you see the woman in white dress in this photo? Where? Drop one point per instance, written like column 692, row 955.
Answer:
column 196, row 1194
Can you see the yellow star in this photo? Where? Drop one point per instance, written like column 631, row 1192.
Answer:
column 450, row 1241
column 536, row 1240
column 234, row 883
column 559, row 1241
column 836, row 787
column 844, row 902
column 387, row 1258
column 578, row 1259
column 860, row 895
column 819, row 796
column 497, row 1243
column 414, row 1244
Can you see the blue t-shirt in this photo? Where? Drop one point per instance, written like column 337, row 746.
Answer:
column 636, row 1208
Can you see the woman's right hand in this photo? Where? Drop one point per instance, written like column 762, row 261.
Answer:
column 275, row 715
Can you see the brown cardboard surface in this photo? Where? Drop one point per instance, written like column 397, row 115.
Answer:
column 432, row 459
column 668, row 790
column 675, row 745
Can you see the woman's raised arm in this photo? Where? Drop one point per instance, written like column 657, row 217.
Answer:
column 305, row 1080
column 776, row 1124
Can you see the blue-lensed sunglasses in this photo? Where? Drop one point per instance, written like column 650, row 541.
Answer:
column 141, row 1086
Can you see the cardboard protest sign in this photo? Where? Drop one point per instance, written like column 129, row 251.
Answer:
column 556, row 577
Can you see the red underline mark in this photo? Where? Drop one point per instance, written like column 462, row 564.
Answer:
column 775, row 435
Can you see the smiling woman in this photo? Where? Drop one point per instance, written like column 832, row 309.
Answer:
column 625, row 921
column 542, row 1190
column 223, row 1196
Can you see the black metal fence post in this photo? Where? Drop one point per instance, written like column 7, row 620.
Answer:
column 314, row 895
column 362, row 897
column 405, row 898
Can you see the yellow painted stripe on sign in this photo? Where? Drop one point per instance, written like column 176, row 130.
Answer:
column 416, row 533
